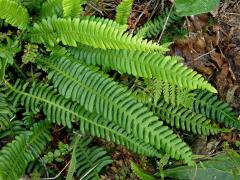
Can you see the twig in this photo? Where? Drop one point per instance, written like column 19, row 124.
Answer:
column 90, row 170
column 204, row 54
column 165, row 24
column 139, row 17
column 55, row 177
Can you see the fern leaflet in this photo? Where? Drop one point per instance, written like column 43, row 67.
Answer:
column 123, row 11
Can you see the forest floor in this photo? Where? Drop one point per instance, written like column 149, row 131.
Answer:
column 211, row 46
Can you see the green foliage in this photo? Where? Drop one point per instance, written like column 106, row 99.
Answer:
column 62, row 111
column 207, row 103
column 72, row 8
column 99, row 94
column 154, row 27
column 90, row 31
column 143, row 64
column 123, row 11
column 51, row 8
column 193, row 7
column 141, row 173
column 18, row 17
column 90, row 160
column 224, row 166
column 24, row 149
column 70, row 89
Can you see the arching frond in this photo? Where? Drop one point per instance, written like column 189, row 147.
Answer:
column 208, row 104
column 72, row 8
column 143, row 64
column 61, row 111
column 14, row 13
column 25, row 148
column 90, row 160
column 97, row 93
column 123, row 11
column 90, row 31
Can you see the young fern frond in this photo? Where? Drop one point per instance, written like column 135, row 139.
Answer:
column 16, row 155
column 90, row 160
column 14, row 13
column 30, row 53
column 90, row 31
column 51, row 8
column 140, row 172
column 154, row 27
column 72, row 8
column 144, row 64
column 73, row 163
column 61, row 111
column 98, row 93
column 182, row 118
column 123, row 11
column 208, row 104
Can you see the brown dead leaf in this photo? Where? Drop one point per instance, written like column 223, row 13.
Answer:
column 217, row 57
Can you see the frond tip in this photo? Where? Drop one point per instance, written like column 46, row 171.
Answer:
column 14, row 13
column 123, row 11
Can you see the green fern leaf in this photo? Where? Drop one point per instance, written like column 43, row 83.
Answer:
column 154, row 27
column 208, row 104
column 51, row 8
column 90, row 31
column 14, row 13
column 182, row 118
column 123, row 11
column 72, row 8
column 100, row 94
column 72, row 166
column 140, row 173
column 90, row 160
column 16, row 155
column 30, row 53
column 143, row 64
column 61, row 111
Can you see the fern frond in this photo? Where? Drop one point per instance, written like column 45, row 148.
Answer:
column 14, row 13
column 208, row 104
column 141, row 173
column 95, row 32
column 59, row 110
column 182, row 118
column 88, row 158
column 123, row 11
column 72, row 166
column 143, row 64
column 154, row 27
column 100, row 94
column 72, row 8
column 30, row 53
column 16, row 155
column 51, row 8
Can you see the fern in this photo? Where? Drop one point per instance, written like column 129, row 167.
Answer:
column 153, row 27
column 72, row 8
column 16, row 155
column 90, row 160
column 182, row 118
column 114, row 102
column 143, row 64
column 208, row 104
column 90, row 31
column 72, row 166
column 123, row 11
column 18, row 17
column 51, row 8
column 141, row 173
column 61, row 111
column 30, row 53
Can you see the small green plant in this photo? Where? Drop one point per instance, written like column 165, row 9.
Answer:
column 54, row 67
